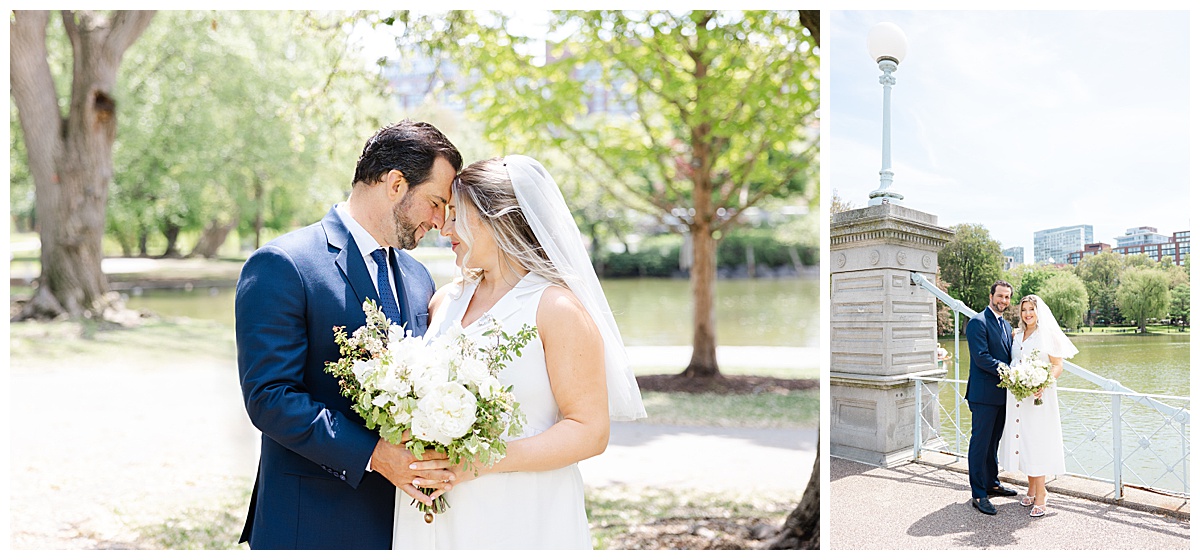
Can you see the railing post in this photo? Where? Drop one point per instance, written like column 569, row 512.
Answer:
column 1186, row 474
column 917, row 422
column 1118, row 455
column 957, row 397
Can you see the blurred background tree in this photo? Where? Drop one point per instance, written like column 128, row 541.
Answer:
column 692, row 117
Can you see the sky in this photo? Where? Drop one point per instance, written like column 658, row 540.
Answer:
column 1020, row 121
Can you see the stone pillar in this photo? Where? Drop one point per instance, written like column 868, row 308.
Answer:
column 883, row 329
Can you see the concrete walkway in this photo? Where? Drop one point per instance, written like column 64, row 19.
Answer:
column 926, row 507
column 744, row 461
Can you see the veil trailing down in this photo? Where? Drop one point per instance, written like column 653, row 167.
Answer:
column 1054, row 342
column 546, row 210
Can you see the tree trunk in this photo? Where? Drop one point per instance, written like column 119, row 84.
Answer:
column 704, row 295
column 213, row 237
column 70, row 159
column 171, row 232
column 704, row 246
column 802, row 530
column 143, row 242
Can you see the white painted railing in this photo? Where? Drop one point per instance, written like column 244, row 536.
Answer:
column 1143, row 449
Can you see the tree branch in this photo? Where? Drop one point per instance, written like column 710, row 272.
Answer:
column 126, row 27
column 763, row 193
column 34, row 93
column 616, row 173
column 811, row 20
column 656, row 149
column 684, row 114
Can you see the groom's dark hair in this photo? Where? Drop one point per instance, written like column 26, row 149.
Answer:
column 409, row 147
column 1001, row 283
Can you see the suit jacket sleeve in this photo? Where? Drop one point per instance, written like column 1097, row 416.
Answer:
column 977, row 343
column 272, row 344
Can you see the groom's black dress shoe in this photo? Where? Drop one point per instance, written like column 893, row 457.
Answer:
column 1001, row 491
column 983, row 505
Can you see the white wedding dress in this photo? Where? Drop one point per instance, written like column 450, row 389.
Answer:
column 520, row 510
column 1032, row 442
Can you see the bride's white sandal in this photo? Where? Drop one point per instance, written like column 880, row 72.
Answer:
column 1027, row 500
column 1037, row 511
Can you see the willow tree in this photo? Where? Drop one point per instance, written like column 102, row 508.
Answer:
column 693, row 116
column 70, row 156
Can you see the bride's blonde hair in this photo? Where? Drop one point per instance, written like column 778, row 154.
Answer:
column 485, row 188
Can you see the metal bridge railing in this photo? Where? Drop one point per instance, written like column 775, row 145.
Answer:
column 1112, row 434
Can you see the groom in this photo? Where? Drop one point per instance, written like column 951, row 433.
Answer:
column 324, row 480
column 989, row 339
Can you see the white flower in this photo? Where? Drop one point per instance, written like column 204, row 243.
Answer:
column 365, row 372
column 444, row 413
column 472, row 371
column 1038, row 376
column 488, row 388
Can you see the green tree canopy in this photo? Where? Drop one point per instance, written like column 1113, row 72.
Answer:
column 970, row 263
column 1100, row 274
column 688, row 116
column 1067, row 298
column 239, row 120
column 1030, row 278
column 1181, row 304
column 1144, row 294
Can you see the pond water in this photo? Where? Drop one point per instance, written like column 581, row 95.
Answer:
column 649, row 312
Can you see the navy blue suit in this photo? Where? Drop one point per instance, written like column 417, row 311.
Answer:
column 989, row 340
column 312, row 490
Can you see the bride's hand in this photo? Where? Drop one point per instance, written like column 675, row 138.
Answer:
column 1038, row 394
column 461, row 473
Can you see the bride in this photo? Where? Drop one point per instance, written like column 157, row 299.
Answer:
column 1032, row 441
column 523, row 262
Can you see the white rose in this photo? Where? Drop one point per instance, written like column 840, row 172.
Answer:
column 365, row 373
column 395, row 382
column 447, row 411
column 488, row 388
column 472, row 371
column 1039, row 376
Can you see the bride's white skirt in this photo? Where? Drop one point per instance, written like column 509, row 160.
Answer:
column 524, row 510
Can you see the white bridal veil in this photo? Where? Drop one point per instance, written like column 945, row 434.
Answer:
column 1054, row 342
column 546, row 211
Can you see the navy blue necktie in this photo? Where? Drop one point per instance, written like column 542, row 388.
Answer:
column 387, row 301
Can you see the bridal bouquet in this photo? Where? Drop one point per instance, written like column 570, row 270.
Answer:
column 444, row 390
column 1026, row 377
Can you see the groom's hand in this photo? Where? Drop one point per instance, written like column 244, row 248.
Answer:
column 393, row 462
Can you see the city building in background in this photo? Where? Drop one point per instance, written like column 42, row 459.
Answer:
column 1056, row 245
column 1089, row 249
column 1161, row 247
column 1141, row 236
column 1013, row 256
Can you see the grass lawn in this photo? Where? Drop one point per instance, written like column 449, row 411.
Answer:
column 1150, row 329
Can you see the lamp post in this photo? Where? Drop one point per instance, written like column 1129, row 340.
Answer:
column 887, row 45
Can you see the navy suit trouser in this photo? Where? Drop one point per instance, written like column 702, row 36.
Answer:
column 987, row 427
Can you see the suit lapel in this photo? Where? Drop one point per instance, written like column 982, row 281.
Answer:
column 349, row 258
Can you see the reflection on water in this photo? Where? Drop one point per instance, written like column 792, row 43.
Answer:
column 649, row 312
column 1157, row 365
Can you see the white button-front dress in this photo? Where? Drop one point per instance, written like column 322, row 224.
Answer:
column 1032, row 442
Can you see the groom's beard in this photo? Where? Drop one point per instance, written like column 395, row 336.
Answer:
column 406, row 230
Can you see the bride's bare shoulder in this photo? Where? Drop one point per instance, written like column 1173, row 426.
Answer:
column 560, row 309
